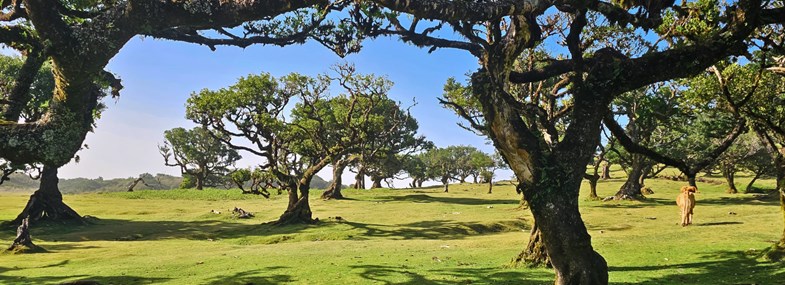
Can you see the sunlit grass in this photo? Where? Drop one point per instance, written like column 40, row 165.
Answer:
column 421, row 236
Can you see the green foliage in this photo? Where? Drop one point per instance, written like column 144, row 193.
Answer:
column 202, row 157
column 40, row 91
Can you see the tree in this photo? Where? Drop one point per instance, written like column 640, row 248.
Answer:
column 417, row 169
column 391, row 135
column 549, row 170
column 259, row 181
column 27, row 100
column 442, row 164
column 594, row 177
column 199, row 154
column 549, row 163
column 488, row 172
column 294, row 147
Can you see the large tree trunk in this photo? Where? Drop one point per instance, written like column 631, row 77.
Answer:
column 377, row 182
column 631, row 189
column 567, row 241
column 334, row 190
column 299, row 209
column 490, row 186
column 47, row 202
column 777, row 251
column 729, row 172
column 535, row 254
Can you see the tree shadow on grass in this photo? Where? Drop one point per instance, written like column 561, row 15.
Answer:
column 380, row 274
column 724, row 267
column 126, row 279
column 647, row 203
column 131, row 231
column 261, row 276
column 424, row 198
column 437, row 229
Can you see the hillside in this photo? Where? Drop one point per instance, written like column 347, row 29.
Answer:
column 23, row 183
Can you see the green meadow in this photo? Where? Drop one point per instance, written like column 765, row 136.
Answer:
column 404, row 236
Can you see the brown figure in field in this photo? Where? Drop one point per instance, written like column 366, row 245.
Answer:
column 686, row 202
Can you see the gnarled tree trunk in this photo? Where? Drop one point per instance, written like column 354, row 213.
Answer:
column 631, row 189
column 298, row 210
column 534, row 254
column 593, row 179
column 334, row 190
column 47, row 202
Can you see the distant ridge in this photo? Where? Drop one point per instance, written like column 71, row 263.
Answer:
column 23, row 183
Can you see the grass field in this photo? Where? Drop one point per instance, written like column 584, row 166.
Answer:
column 420, row 236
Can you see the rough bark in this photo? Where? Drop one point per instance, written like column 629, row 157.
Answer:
column 535, row 254
column 777, row 251
column 334, row 190
column 593, row 179
column 23, row 239
column 551, row 182
column 298, row 210
column 46, row 204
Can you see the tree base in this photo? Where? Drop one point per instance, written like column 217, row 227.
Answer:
column 332, row 195
column 732, row 191
column 776, row 252
column 299, row 214
column 41, row 208
column 535, row 254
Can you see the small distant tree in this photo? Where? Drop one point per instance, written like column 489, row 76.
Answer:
column 488, row 172
column 200, row 155
column 256, row 180
column 442, row 164
column 479, row 162
column 417, row 169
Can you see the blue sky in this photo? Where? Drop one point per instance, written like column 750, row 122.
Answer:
column 160, row 75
